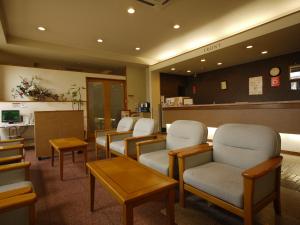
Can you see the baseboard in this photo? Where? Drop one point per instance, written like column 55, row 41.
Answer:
column 290, row 152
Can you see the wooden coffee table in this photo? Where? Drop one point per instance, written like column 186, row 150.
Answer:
column 132, row 184
column 63, row 145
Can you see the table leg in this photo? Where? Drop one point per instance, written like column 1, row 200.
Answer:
column 61, row 164
column 92, row 192
column 52, row 156
column 73, row 157
column 170, row 207
column 127, row 215
column 85, row 159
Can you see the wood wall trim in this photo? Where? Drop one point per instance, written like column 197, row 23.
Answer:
column 257, row 105
column 290, row 153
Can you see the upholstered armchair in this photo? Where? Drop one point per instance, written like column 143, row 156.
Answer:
column 11, row 150
column 124, row 144
column 101, row 137
column 17, row 207
column 14, row 176
column 240, row 173
column 161, row 154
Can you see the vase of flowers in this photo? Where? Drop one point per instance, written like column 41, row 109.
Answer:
column 74, row 93
column 32, row 89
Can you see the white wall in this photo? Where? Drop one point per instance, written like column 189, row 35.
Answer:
column 57, row 80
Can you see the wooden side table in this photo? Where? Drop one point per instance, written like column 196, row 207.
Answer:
column 132, row 184
column 63, row 145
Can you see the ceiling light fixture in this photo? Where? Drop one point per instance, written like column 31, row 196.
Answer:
column 173, row 69
column 203, row 60
column 131, row 10
column 219, row 63
column 264, row 52
column 99, row 40
column 188, row 71
column 137, row 48
column 176, row 26
column 41, row 28
column 249, row 46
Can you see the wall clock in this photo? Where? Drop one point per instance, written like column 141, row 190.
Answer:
column 275, row 71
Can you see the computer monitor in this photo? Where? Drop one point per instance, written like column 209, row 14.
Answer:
column 10, row 116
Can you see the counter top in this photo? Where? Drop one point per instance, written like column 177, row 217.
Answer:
column 240, row 105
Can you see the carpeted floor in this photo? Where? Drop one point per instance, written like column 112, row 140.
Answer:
column 67, row 202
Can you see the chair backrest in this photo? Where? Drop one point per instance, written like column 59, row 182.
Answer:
column 11, row 141
column 125, row 124
column 143, row 127
column 245, row 145
column 185, row 133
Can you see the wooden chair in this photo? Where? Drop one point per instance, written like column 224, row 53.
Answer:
column 161, row 154
column 124, row 143
column 12, row 150
column 240, row 173
column 101, row 137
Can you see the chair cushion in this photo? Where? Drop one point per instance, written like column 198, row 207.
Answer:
column 158, row 160
column 125, row 124
column 220, row 180
column 21, row 184
column 101, row 140
column 118, row 146
column 245, row 145
column 143, row 127
column 185, row 133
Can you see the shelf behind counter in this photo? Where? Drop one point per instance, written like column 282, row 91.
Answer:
column 283, row 116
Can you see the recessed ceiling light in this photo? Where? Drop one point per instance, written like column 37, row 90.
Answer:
column 264, row 52
column 203, row 60
column 176, row 26
column 188, row 71
column 41, row 28
column 99, row 40
column 131, row 10
column 137, row 48
column 219, row 63
column 173, row 69
column 249, row 46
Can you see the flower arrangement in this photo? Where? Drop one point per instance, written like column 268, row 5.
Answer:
column 32, row 88
column 74, row 93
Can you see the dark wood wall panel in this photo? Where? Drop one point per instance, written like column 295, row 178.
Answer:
column 174, row 85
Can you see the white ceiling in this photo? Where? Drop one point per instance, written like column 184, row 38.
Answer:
column 73, row 26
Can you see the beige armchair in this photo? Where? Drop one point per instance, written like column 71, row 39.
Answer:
column 101, row 137
column 14, row 176
column 11, row 150
column 17, row 207
column 240, row 173
column 17, row 198
column 161, row 154
column 124, row 143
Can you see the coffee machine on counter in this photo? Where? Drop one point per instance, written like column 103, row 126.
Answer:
column 144, row 107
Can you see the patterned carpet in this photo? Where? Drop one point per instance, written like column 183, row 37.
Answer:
column 290, row 176
column 67, row 203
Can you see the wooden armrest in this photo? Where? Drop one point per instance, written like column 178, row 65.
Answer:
column 114, row 133
column 11, row 147
column 139, row 137
column 151, row 141
column 262, row 168
column 194, row 150
column 177, row 151
column 21, row 140
column 17, row 201
column 14, row 166
column 10, row 159
column 19, row 191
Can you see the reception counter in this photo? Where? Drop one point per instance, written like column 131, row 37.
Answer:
column 283, row 116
